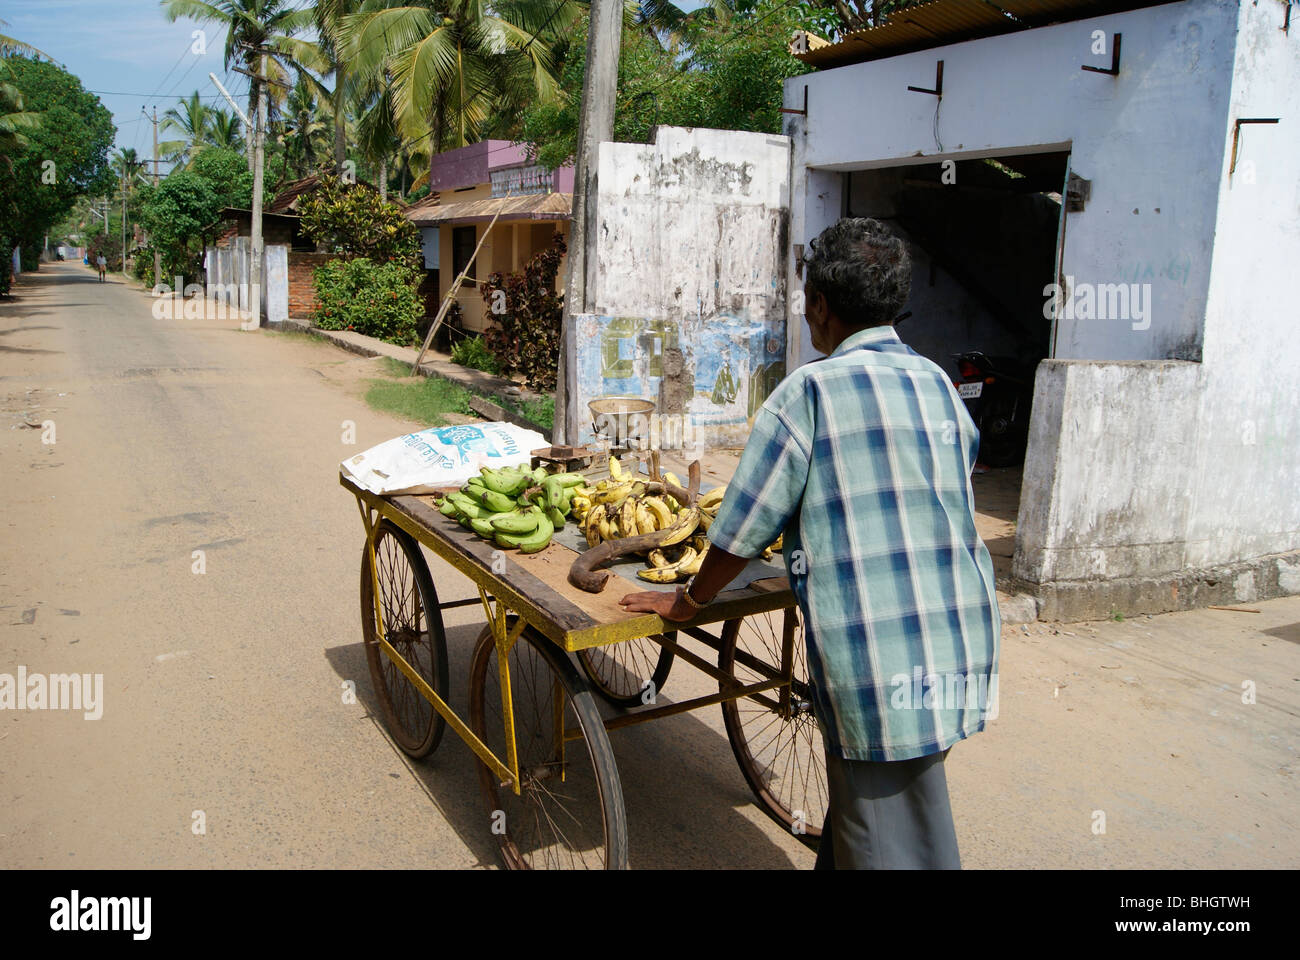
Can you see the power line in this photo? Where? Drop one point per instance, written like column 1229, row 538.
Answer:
column 169, row 72
column 147, row 97
column 184, row 75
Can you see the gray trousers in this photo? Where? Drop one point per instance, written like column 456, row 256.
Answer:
column 888, row 816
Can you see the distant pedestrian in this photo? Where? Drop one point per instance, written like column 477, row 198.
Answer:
column 103, row 266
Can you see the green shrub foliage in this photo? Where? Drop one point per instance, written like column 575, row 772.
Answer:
column 374, row 299
column 473, row 352
column 526, row 312
column 343, row 217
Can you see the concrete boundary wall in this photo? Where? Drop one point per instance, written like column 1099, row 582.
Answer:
column 228, row 270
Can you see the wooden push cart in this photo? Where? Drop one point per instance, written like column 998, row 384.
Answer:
column 549, row 781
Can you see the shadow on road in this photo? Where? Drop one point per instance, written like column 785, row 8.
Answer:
column 681, row 787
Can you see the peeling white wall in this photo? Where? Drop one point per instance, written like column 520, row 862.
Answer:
column 1247, row 500
column 1108, row 491
column 228, row 273
column 1145, row 469
column 691, row 238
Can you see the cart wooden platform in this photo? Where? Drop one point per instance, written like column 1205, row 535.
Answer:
column 550, row 785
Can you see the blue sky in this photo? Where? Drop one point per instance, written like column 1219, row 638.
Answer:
column 130, row 56
column 125, row 51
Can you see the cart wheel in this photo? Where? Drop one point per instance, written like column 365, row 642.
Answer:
column 628, row 674
column 413, row 625
column 569, row 813
column 780, row 750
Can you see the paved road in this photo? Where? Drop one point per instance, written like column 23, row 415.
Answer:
column 223, row 690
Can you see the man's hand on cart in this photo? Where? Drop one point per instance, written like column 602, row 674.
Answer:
column 718, row 569
column 670, row 606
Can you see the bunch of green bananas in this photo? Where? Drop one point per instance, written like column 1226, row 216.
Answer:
column 513, row 507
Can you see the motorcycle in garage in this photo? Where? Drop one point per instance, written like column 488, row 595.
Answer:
column 998, row 393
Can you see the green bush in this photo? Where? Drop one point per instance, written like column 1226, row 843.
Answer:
column 142, row 266
column 473, row 352
column 343, row 217
column 374, row 299
column 526, row 310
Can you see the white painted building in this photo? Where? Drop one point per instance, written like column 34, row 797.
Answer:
column 1163, row 467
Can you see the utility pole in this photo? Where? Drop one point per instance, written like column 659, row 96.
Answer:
column 157, row 254
column 599, row 87
column 255, row 268
column 261, row 79
column 259, row 135
column 124, row 275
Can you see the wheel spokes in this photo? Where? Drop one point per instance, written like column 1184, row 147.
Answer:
column 552, row 822
column 784, row 749
column 406, row 628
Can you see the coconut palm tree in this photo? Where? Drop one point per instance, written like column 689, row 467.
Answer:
column 329, row 16
column 453, row 63
column 304, row 128
column 191, row 118
column 377, row 133
column 260, row 35
column 224, row 130
column 129, row 167
column 14, row 120
column 10, row 47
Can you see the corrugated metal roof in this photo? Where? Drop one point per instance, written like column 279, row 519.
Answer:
column 537, row 206
column 943, row 22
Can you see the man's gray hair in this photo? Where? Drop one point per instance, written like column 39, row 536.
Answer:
column 862, row 269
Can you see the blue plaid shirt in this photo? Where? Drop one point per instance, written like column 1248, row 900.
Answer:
column 863, row 460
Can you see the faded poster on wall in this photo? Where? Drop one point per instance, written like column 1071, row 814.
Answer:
column 710, row 377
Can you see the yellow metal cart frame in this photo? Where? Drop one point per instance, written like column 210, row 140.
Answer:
column 506, row 590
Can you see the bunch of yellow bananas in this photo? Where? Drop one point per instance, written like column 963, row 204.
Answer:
column 674, row 564
column 611, row 512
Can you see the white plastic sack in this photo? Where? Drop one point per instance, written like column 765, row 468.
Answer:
column 440, row 457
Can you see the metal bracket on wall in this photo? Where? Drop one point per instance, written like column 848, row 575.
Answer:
column 1286, row 19
column 938, row 82
column 1077, row 192
column 804, row 111
column 1236, row 135
column 1114, row 60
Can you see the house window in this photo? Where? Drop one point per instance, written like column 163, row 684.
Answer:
column 463, row 241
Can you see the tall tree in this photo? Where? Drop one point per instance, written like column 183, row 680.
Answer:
column 13, row 118
column 256, row 30
column 304, row 128
column 191, row 118
column 9, row 46
column 58, row 159
column 329, row 16
column 712, row 72
column 224, row 130
column 129, row 167
column 453, row 63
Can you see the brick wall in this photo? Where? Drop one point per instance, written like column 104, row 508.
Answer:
column 302, row 288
